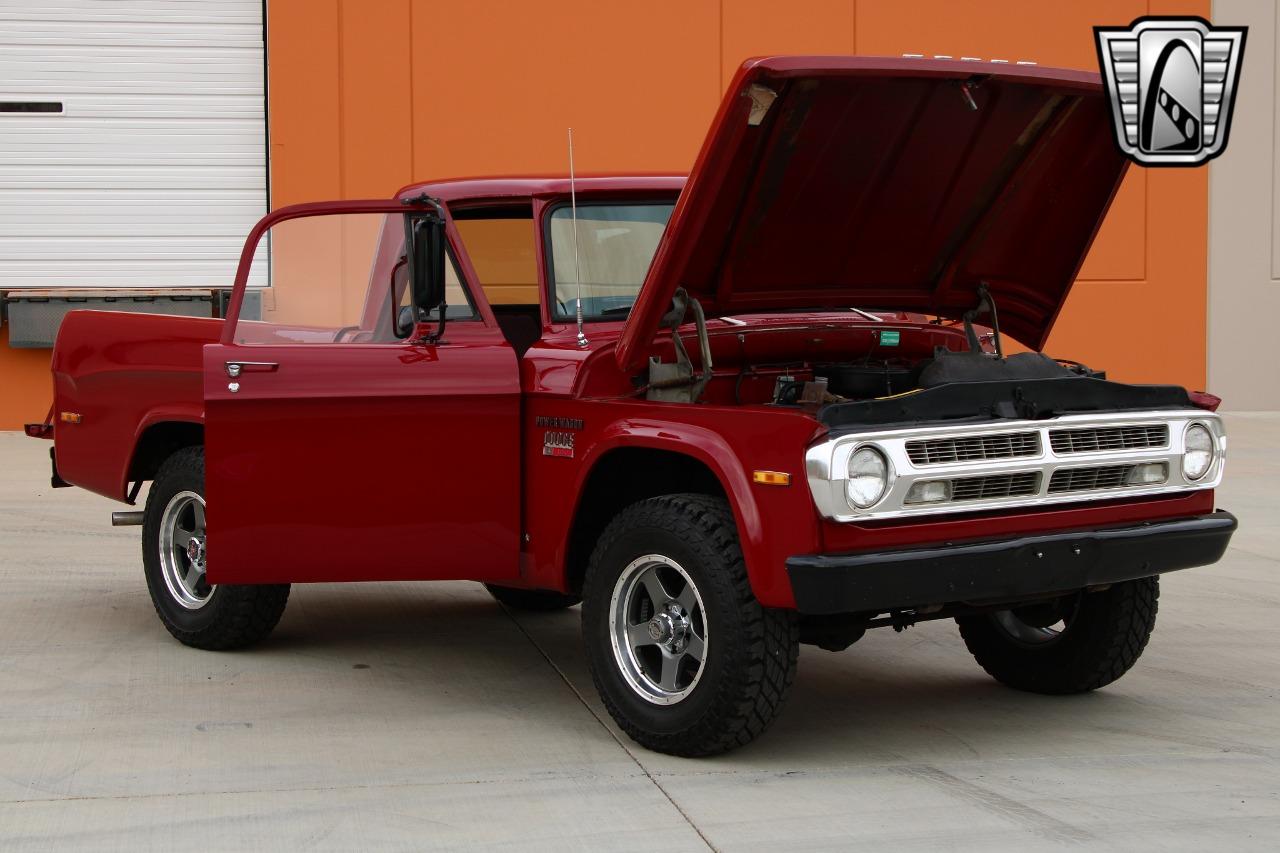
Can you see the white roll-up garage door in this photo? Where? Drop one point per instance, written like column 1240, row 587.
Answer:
column 132, row 141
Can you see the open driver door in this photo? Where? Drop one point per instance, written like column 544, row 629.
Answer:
column 351, row 438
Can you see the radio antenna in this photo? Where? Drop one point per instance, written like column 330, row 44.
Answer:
column 577, row 270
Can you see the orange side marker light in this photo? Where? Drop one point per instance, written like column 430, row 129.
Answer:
column 771, row 478
column 71, row 417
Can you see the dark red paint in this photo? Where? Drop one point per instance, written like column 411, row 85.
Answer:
column 412, row 461
column 874, row 183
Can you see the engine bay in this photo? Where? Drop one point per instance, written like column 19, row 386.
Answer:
column 818, row 361
column 869, row 380
column 814, row 367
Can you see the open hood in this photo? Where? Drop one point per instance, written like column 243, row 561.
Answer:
column 903, row 184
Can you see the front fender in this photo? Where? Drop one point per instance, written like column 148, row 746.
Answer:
column 772, row 522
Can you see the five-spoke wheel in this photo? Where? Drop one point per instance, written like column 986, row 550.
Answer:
column 659, row 629
column 175, row 555
column 183, row 550
column 686, row 659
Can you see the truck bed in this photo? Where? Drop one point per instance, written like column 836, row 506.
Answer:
column 123, row 374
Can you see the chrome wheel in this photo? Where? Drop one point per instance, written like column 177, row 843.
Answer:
column 183, row 550
column 658, row 629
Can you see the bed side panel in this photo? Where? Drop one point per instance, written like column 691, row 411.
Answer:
column 115, row 370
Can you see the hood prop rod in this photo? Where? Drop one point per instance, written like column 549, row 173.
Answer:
column 676, row 382
column 985, row 305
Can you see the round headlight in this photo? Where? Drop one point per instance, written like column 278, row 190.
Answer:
column 868, row 477
column 1197, row 452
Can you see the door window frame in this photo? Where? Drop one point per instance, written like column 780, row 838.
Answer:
column 466, row 273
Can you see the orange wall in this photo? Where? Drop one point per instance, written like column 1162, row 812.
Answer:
column 368, row 95
column 26, row 389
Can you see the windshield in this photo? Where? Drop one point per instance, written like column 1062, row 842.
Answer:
column 616, row 243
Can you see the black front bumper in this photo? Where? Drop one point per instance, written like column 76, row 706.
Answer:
column 1019, row 568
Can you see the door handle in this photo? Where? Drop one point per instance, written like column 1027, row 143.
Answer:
column 235, row 368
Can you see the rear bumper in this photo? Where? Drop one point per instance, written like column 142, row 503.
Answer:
column 1022, row 567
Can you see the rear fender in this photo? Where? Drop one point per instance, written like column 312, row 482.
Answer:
column 150, row 446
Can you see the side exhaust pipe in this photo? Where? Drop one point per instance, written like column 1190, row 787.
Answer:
column 126, row 519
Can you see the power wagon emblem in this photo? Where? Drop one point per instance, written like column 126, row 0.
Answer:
column 559, row 440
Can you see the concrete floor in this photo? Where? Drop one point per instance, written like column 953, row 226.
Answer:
column 402, row 716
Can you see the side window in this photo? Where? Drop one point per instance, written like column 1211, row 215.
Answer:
column 457, row 300
column 335, row 278
column 500, row 243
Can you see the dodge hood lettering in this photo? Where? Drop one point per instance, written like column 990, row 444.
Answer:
column 896, row 184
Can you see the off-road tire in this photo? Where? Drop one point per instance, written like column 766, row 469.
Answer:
column 540, row 600
column 751, row 649
column 1105, row 638
column 235, row 615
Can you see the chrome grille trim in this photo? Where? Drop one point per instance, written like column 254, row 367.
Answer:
column 1123, row 441
column 1101, row 439
column 1089, row 479
column 995, row 486
column 1004, row 445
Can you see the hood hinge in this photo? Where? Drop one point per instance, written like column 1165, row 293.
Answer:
column 675, row 383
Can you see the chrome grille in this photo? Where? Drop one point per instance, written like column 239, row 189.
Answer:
column 996, row 486
column 938, row 451
column 1100, row 439
column 1089, row 479
column 971, row 467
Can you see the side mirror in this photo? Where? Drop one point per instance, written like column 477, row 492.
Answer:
column 427, row 264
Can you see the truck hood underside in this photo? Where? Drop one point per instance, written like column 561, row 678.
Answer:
column 896, row 184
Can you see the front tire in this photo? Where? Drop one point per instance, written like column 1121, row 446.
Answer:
column 685, row 659
column 226, row 616
column 1074, row 644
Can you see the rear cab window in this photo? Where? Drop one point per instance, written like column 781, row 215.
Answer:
column 501, row 244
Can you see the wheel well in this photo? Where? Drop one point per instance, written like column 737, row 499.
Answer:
column 623, row 477
column 158, row 442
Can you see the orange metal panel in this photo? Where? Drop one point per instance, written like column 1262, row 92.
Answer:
column 304, row 74
column 376, row 107
column 496, row 84
column 28, row 388
column 1058, row 34
column 366, row 96
column 1151, row 330
column 758, row 27
column 1138, row 307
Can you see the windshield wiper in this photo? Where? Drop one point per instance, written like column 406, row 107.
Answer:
column 621, row 309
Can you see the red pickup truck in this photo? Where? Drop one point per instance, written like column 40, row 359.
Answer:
column 728, row 414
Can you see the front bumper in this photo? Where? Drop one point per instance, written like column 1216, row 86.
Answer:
column 1020, row 568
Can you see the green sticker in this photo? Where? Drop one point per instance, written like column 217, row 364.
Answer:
column 890, row 338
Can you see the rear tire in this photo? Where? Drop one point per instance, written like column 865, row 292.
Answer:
column 226, row 616
column 540, row 600
column 1103, row 635
column 684, row 657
